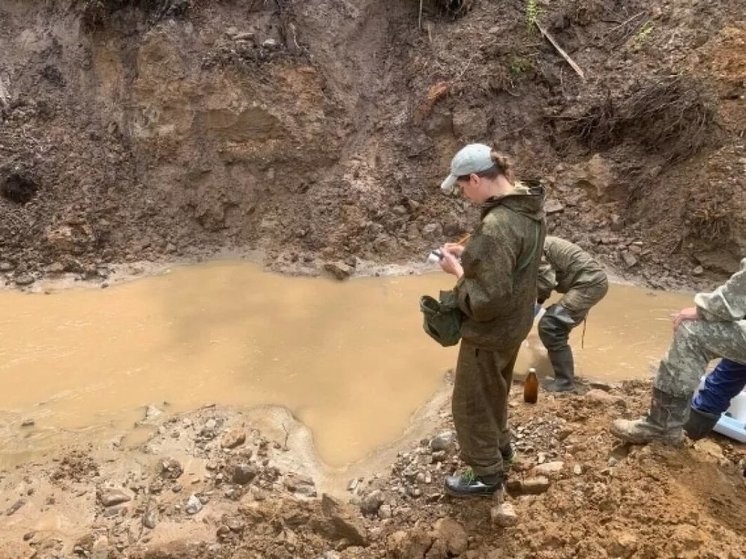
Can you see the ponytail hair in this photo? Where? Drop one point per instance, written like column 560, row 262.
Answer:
column 504, row 165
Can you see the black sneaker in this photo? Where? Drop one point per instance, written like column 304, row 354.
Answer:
column 469, row 484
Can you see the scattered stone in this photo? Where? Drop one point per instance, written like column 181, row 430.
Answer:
column 384, row 512
column 444, row 441
column 698, row 271
column 550, row 469
column 111, row 497
column 271, row 44
column 28, row 536
column 353, row 484
column 55, row 268
column 339, row 269
column 622, row 545
column 553, row 206
column 6, row 267
column 535, row 485
column 343, row 523
column 233, row 438
column 577, row 469
column 24, row 279
column 28, row 423
column 603, row 397
column 150, row 518
column 432, row 231
column 450, row 538
column 171, row 468
column 15, row 506
column 244, row 473
column 504, row 515
column 372, row 502
column 709, row 448
column 193, row 504
column 629, row 259
column 300, row 484
column 244, row 36
column 151, row 412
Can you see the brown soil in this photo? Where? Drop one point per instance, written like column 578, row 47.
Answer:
column 256, row 496
column 319, row 131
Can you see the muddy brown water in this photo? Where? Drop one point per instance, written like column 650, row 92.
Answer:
column 348, row 359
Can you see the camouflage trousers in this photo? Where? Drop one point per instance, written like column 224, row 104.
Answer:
column 480, row 405
column 695, row 344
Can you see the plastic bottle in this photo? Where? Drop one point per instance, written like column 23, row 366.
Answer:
column 531, row 387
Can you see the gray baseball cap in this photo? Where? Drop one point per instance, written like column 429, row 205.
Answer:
column 473, row 158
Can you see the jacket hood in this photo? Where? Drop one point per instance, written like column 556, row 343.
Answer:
column 527, row 201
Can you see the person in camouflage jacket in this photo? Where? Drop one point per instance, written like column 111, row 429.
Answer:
column 568, row 269
column 496, row 289
column 714, row 327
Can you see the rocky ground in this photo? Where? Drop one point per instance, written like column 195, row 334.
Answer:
column 317, row 131
column 211, row 484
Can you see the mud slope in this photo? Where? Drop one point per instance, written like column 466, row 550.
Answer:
column 319, row 130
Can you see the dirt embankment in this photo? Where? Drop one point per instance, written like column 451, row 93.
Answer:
column 217, row 483
column 318, row 131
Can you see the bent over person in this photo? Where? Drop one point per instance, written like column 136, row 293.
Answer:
column 715, row 327
column 496, row 289
column 568, row 269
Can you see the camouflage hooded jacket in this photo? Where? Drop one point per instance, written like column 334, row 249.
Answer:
column 501, row 263
column 727, row 304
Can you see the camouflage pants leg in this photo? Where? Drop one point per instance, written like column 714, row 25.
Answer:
column 695, row 344
column 480, row 406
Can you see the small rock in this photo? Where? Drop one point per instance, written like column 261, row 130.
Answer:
column 28, row 423
column 577, row 469
column 339, row 269
column 450, row 536
column 24, row 279
column 193, row 504
column 244, row 473
column 623, row 545
column 603, row 397
column 271, row 44
column 504, row 515
column 372, row 502
column 535, row 485
column 343, row 522
column 171, row 468
column 553, row 206
column 698, row 271
column 6, row 267
column 444, row 441
column 233, row 438
column 28, row 536
column 433, row 231
column 151, row 412
column 14, row 508
column 55, row 268
column 302, row 485
column 111, row 497
column 210, row 425
column 550, row 469
column 150, row 518
column 629, row 259
column 384, row 512
column 244, row 36
column 709, row 448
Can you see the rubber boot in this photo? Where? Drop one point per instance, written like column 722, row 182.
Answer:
column 700, row 423
column 664, row 422
column 564, row 371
